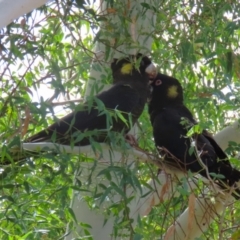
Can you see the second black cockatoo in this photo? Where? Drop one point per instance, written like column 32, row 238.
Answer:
column 171, row 121
column 128, row 95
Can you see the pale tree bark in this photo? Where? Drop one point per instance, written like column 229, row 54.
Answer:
column 103, row 224
column 202, row 211
column 230, row 133
column 11, row 9
column 191, row 224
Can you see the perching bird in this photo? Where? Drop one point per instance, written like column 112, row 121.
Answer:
column 128, row 95
column 171, row 121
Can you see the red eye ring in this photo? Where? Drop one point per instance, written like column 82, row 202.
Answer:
column 158, row 82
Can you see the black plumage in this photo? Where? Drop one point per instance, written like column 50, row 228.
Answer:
column 128, row 95
column 171, row 121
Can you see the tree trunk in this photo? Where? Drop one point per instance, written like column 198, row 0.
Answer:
column 11, row 9
column 197, row 218
column 139, row 30
column 187, row 226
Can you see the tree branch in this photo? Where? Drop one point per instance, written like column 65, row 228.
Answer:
column 205, row 210
column 10, row 9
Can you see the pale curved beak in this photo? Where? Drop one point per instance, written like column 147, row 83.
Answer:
column 151, row 70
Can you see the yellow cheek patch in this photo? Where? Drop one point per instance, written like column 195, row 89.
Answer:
column 127, row 68
column 172, row 91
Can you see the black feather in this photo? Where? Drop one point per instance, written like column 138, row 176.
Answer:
column 128, row 95
column 171, row 121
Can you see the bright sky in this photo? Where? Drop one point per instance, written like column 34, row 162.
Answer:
column 45, row 90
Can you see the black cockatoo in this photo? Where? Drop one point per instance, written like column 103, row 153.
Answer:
column 171, row 121
column 93, row 119
column 128, row 95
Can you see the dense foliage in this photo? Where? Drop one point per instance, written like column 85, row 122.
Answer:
column 45, row 63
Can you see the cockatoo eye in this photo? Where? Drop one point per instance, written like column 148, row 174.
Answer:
column 158, row 82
